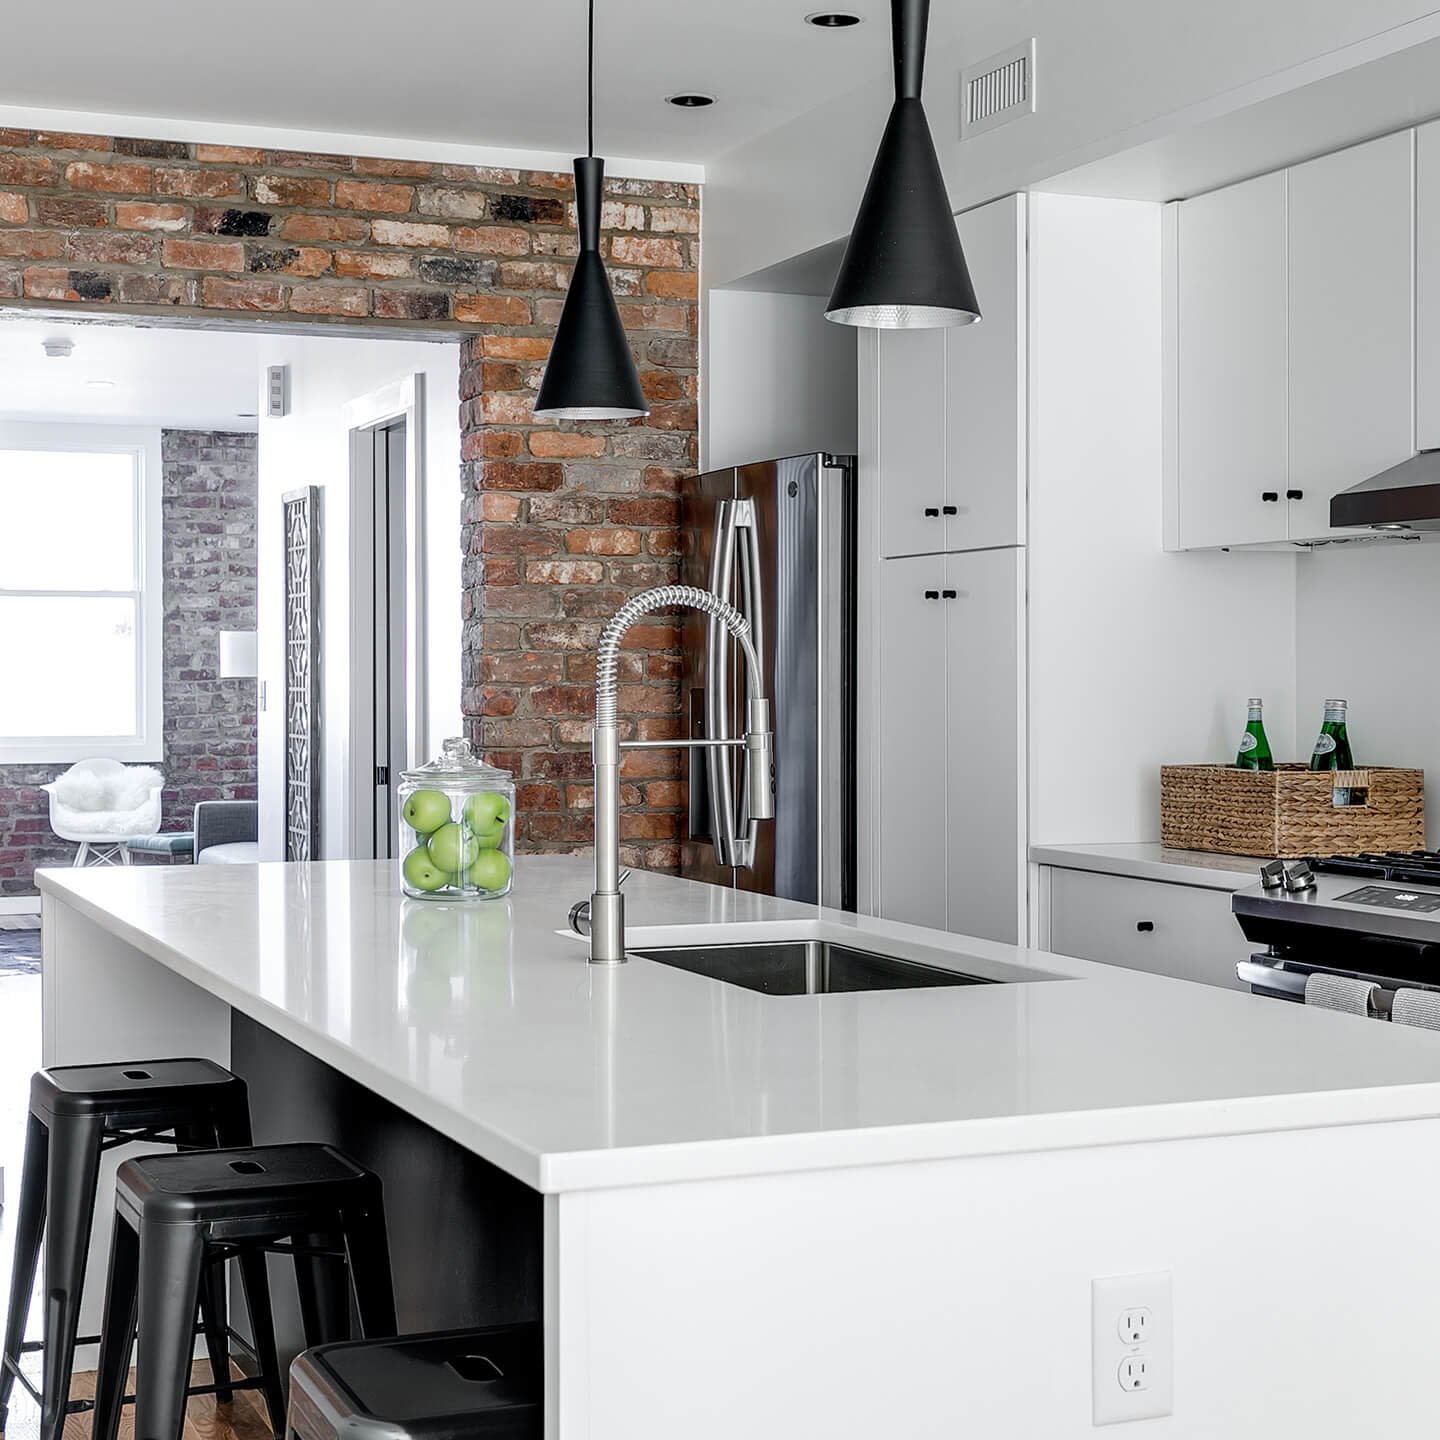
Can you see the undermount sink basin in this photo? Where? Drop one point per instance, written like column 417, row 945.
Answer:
column 805, row 967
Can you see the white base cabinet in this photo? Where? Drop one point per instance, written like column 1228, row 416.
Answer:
column 1184, row 931
column 948, row 847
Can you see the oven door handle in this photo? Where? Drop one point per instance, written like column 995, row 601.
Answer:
column 1269, row 977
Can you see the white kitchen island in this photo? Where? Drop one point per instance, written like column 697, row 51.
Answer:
column 847, row 1215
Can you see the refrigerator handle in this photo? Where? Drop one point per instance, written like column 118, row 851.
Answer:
column 752, row 607
column 718, row 762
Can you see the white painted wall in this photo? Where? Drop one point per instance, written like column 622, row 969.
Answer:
column 1107, row 81
column 310, row 446
column 1392, row 680
column 779, row 379
column 1137, row 658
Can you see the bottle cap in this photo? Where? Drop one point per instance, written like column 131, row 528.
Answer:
column 1254, row 702
column 1335, row 704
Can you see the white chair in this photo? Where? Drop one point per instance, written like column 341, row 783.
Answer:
column 101, row 805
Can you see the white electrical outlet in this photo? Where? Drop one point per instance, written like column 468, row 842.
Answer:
column 1132, row 1348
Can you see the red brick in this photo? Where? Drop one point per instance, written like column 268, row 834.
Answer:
column 229, row 155
column 290, row 190
column 557, row 242
column 242, row 294
column 566, row 444
column 500, row 509
column 42, row 283
column 348, row 228
column 368, row 266
column 673, row 284
column 306, row 260
column 665, row 543
column 17, row 139
column 662, row 385
column 602, row 542
column 673, row 415
column 660, row 479
column 534, row 275
column 70, row 212
column 654, row 317
column 672, row 793
column 643, row 764
column 641, row 250
column 203, row 254
column 111, row 179
column 498, row 375
column 71, row 140
column 652, row 636
column 644, row 511
column 143, row 149
column 550, row 180
column 492, row 240
column 348, row 300
column 110, row 249
column 362, row 195
column 312, row 160
column 515, row 347
column 480, row 174
column 14, row 209
column 157, row 290
column 497, row 701
column 559, row 829
column 504, row 409
column 567, row 509
column 678, row 220
column 519, row 540
column 640, row 825
column 526, row 667
column 418, row 233
column 198, row 184
column 532, row 797
column 564, row 572
column 10, row 284
column 32, row 244
column 412, row 304
column 563, row 700
column 23, row 170
column 142, row 216
column 415, row 169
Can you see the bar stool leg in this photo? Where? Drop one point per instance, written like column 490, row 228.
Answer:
column 29, row 1225
column 73, row 1175
column 171, row 1258
column 214, row 1301
column 367, row 1251
column 255, row 1278
column 324, row 1294
column 117, row 1335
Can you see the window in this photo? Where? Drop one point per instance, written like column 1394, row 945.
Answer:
column 80, row 602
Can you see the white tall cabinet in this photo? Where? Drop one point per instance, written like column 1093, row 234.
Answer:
column 942, row 604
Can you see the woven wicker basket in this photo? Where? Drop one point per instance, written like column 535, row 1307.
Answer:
column 1289, row 811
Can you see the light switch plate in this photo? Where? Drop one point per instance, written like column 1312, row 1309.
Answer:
column 1132, row 1348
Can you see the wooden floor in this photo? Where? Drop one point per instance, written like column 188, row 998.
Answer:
column 242, row 1419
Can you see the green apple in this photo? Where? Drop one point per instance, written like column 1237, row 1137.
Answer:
column 426, row 811
column 491, row 870
column 486, row 816
column 452, row 849
column 421, row 872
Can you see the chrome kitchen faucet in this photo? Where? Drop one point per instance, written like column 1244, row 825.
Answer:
column 607, row 904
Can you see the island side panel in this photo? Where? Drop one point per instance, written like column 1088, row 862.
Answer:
column 953, row 1298
column 103, row 1000
column 465, row 1237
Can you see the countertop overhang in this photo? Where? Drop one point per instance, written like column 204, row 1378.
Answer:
column 486, row 1022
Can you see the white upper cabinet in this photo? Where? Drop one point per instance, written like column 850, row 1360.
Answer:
column 1427, row 287
column 1289, row 360
column 1229, row 346
column 949, row 403
column 1351, row 311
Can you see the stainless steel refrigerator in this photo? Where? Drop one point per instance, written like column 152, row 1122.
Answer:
column 777, row 539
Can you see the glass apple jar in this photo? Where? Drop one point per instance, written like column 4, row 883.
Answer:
column 457, row 827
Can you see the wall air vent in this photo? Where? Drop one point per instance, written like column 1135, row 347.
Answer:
column 997, row 90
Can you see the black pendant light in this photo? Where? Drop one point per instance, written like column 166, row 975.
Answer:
column 904, row 268
column 590, row 374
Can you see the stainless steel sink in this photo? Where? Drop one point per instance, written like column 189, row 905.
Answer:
column 805, row 967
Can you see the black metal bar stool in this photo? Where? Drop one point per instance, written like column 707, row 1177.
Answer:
column 76, row 1113
column 179, row 1216
column 454, row 1385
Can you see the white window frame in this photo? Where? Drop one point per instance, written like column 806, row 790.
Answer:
column 143, row 442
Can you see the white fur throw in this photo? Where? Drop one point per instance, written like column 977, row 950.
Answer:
column 95, row 791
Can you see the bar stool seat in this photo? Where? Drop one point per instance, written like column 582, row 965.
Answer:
column 76, row 1113
column 450, row 1385
column 177, row 1216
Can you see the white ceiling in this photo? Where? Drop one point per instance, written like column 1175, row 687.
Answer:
column 477, row 73
column 194, row 379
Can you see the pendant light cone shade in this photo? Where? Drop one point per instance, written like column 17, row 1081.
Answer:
column 904, row 267
column 591, row 373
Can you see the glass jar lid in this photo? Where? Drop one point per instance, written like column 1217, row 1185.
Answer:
column 457, row 764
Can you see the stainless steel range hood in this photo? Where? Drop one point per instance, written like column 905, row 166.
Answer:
column 1405, row 497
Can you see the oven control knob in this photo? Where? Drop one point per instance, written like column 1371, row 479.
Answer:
column 1272, row 874
column 1298, row 876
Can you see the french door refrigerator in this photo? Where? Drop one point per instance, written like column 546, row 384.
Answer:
column 776, row 539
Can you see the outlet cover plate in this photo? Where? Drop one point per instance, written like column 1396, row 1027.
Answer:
column 1110, row 1299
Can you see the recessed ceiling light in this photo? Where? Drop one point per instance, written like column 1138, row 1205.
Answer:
column 834, row 19
column 101, row 384
column 690, row 102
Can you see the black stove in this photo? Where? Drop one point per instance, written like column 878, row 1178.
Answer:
column 1408, row 867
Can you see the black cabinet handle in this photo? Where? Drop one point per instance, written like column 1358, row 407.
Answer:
column 949, row 510
column 931, row 513
column 1145, row 926
column 1294, row 494
column 947, row 594
column 932, row 594
column 1271, row 497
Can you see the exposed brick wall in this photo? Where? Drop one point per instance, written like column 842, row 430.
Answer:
column 208, row 491
column 561, row 522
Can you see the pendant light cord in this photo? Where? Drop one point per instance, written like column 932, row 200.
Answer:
column 590, row 86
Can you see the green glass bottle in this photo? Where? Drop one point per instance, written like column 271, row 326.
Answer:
column 1332, row 745
column 1254, row 745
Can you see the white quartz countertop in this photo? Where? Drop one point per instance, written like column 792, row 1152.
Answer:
column 1149, row 860
column 490, row 1026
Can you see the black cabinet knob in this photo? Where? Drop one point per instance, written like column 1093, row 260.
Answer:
column 932, row 594
column 1294, row 494
column 947, row 594
column 1271, row 497
column 931, row 512
column 1144, row 926
column 949, row 510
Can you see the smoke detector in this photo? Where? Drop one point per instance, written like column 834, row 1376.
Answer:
column 60, row 349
